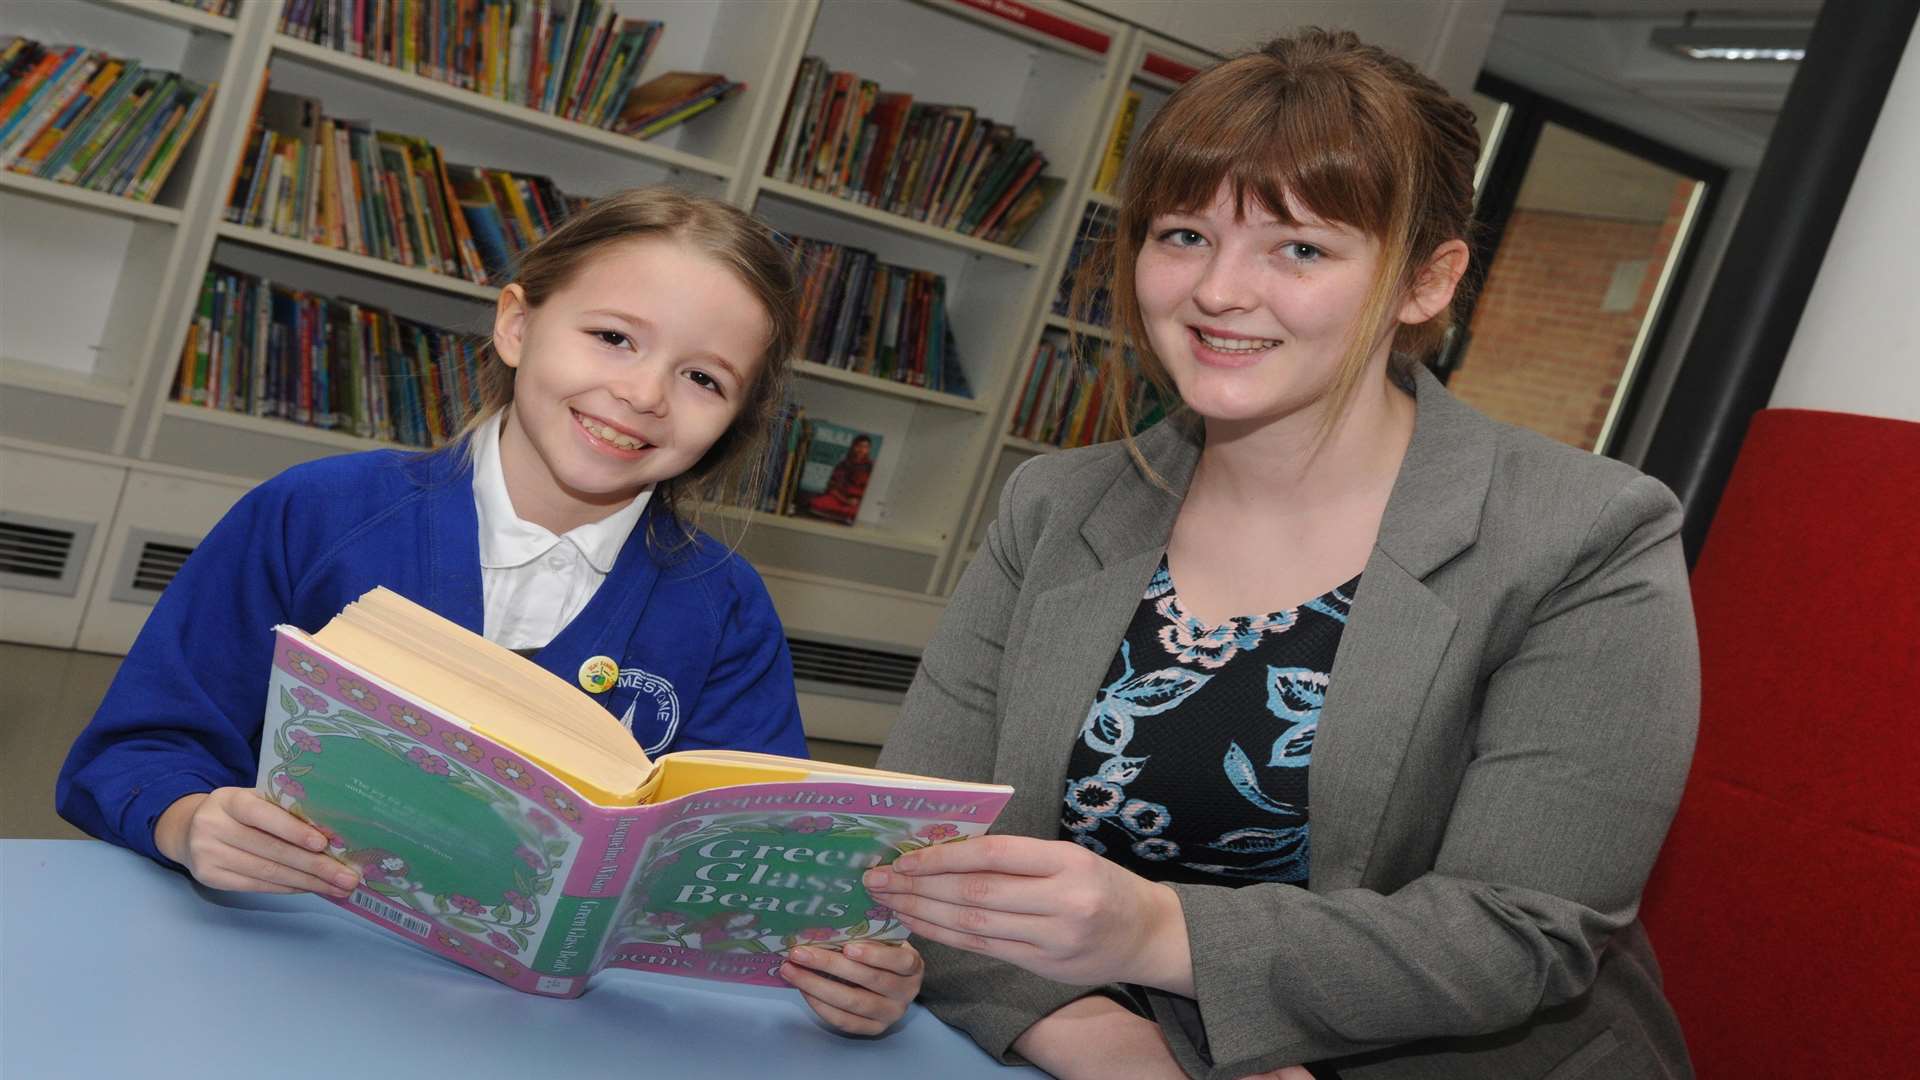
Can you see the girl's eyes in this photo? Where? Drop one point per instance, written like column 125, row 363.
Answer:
column 1300, row 252
column 1181, row 237
column 618, row 340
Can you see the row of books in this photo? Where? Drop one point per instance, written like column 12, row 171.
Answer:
column 1096, row 229
column 580, row 61
column 873, row 318
column 817, row 469
column 1063, row 400
column 940, row 164
column 345, row 185
column 211, row 7
column 77, row 116
column 267, row 350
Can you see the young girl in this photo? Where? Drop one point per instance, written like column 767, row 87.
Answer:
column 636, row 364
column 1344, row 722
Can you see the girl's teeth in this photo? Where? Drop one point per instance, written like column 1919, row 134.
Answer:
column 1235, row 344
column 619, row 439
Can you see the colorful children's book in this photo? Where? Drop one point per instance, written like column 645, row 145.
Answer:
column 835, row 472
column 503, row 819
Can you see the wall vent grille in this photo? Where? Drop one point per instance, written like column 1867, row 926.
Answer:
column 42, row 554
column 150, row 562
column 852, row 669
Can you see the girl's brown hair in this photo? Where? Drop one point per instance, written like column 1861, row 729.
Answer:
column 1349, row 132
column 731, row 468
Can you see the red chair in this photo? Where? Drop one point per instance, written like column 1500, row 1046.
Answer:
column 1785, row 908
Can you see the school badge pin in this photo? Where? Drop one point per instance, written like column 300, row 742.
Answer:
column 598, row 674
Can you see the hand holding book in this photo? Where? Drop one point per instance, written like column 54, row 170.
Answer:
column 231, row 838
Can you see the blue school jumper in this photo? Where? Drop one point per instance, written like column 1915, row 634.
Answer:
column 703, row 660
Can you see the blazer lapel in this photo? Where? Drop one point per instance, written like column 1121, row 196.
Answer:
column 1073, row 630
column 1073, row 634
column 1397, row 634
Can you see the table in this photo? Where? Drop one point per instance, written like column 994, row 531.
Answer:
column 112, row 966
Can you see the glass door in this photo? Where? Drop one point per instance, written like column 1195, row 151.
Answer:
column 1587, row 232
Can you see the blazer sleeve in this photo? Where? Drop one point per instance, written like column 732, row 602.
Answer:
column 748, row 702
column 184, row 712
column 1579, row 755
column 949, row 727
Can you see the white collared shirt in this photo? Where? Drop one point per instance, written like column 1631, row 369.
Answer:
column 533, row 581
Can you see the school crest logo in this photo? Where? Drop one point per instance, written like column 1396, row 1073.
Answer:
column 654, row 699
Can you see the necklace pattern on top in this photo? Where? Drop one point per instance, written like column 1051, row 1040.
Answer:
column 1192, row 762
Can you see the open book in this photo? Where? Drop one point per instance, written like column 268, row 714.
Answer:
column 503, row 819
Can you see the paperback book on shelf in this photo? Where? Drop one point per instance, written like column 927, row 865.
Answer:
column 1115, row 157
column 77, row 116
column 873, row 318
column 575, row 59
column 671, row 100
column 833, row 467
column 501, row 818
column 343, row 184
column 941, row 164
column 263, row 349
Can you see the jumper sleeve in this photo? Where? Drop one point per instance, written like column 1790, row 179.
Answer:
column 1580, row 751
column 184, row 712
column 748, row 702
column 949, row 727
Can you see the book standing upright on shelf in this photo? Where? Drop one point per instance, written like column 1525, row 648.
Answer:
column 504, row 820
column 833, row 471
column 1115, row 157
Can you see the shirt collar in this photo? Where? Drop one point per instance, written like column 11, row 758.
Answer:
column 508, row 541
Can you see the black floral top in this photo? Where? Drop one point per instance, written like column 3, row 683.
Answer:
column 1192, row 763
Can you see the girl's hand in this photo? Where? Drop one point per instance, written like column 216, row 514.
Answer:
column 861, row 989
column 231, row 838
column 1049, row 906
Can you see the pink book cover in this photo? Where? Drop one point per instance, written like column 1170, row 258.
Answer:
column 472, row 851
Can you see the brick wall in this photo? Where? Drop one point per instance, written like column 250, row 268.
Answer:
column 1543, row 353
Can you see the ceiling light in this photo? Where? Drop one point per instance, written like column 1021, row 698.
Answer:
column 1777, row 45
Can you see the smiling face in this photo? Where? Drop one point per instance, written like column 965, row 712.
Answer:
column 1251, row 316
column 625, row 377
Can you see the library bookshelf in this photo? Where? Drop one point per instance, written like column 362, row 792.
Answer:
column 100, row 291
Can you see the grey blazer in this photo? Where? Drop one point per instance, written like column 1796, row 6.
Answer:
column 1509, row 722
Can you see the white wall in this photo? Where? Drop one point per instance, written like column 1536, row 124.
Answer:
column 1447, row 38
column 1858, row 345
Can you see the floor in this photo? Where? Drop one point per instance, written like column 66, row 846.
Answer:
column 46, row 697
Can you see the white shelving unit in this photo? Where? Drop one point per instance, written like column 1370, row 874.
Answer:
column 1153, row 67
column 111, row 284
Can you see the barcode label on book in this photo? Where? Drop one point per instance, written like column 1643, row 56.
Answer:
column 385, row 911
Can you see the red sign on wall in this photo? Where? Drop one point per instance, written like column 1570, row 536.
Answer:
column 1167, row 68
column 1045, row 22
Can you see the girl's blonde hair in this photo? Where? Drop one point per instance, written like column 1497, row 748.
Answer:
column 1351, row 133
column 730, row 470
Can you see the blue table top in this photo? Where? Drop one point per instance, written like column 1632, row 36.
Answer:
column 112, row 966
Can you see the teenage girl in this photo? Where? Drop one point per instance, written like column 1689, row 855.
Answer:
column 636, row 364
